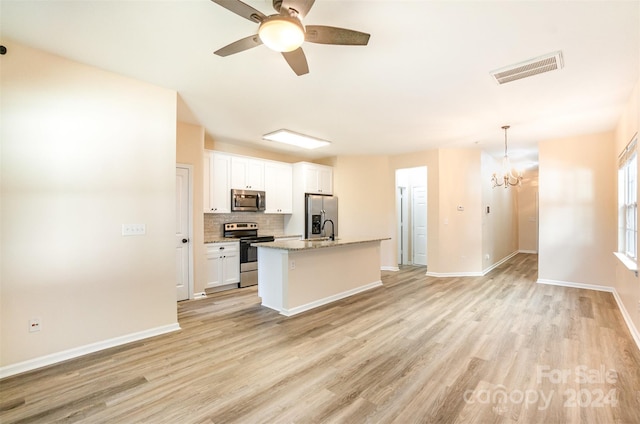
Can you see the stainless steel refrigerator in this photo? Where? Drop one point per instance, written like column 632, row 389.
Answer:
column 318, row 210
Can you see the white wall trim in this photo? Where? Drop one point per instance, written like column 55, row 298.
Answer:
column 575, row 285
column 453, row 274
column 625, row 314
column 534, row 252
column 627, row 262
column 627, row 318
column 500, row 262
column 473, row 273
column 326, row 300
column 389, row 268
column 54, row 358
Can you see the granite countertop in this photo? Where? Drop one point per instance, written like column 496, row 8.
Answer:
column 279, row 236
column 220, row 239
column 316, row 244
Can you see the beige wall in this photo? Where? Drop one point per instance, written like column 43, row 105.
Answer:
column 578, row 222
column 626, row 283
column 500, row 225
column 366, row 201
column 190, row 151
column 528, row 212
column 83, row 152
column 460, row 232
column 211, row 144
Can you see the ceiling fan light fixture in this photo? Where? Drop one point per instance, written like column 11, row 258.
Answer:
column 281, row 33
column 295, row 139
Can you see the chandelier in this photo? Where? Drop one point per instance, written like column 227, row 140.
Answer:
column 507, row 177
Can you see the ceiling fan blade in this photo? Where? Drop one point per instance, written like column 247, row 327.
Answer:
column 239, row 46
column 300, row 6
column 242, row 9
column 322, row 34
column 297, row 60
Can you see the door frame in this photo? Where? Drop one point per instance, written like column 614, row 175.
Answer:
column 189, row 168
column 413, row 225
column 402, row 197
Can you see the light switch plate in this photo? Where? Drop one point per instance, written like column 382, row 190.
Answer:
column 134, row 229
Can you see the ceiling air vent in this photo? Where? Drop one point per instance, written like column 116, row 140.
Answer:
column 550, row 62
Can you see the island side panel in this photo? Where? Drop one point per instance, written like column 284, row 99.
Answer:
column 272, row 277
column 322, row 275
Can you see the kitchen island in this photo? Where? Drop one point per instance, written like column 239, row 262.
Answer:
column 297, row 275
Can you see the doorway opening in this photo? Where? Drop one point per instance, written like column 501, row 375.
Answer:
column 411, row 208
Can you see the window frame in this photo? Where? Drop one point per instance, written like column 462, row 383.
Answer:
column 628, row 206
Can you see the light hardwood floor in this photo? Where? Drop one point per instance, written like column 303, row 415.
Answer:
column 492, row 349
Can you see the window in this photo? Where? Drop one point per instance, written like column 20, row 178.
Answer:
column 628, row 203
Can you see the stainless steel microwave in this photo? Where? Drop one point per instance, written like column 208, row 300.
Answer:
column 248, row 200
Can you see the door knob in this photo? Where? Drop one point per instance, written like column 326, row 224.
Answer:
column 185, row 240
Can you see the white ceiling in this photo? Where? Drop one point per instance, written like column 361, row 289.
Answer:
column 423, row 81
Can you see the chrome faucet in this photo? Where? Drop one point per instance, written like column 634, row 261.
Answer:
column 333, row 229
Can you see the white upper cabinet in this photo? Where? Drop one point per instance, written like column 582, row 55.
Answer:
column 317, row 178
column 247, row 173
column 217, row 182
column 278, row 183
column 224, row 171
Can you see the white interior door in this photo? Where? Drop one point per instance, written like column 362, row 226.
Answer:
column 419, row 215
column 183, row 236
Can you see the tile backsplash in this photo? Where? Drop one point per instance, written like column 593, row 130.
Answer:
column 268, row 223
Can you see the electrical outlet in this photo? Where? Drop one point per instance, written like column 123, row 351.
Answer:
column 292, row 264
column 134, row 229
column 34, row 325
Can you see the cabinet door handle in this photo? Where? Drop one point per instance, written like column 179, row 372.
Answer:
column 185, row 240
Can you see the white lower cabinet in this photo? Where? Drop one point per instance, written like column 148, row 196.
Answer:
column 223, row 264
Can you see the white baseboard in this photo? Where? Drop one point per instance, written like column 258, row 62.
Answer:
column 625, row 314
column 453, row 274
column 627, row 318
column 326, row 300
column 535, row 252
column 54, row 358
column 201, row 295
column 389, row 268
column 500, row 262
column 473, row 273
column 575, row 285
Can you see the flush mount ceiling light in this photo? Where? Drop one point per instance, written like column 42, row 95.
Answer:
column 295, row 139
column 507, row 178
column 281, row 33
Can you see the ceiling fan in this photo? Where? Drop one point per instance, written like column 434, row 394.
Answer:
column 285, row 33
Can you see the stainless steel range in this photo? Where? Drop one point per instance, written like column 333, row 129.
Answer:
column 247, row 233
